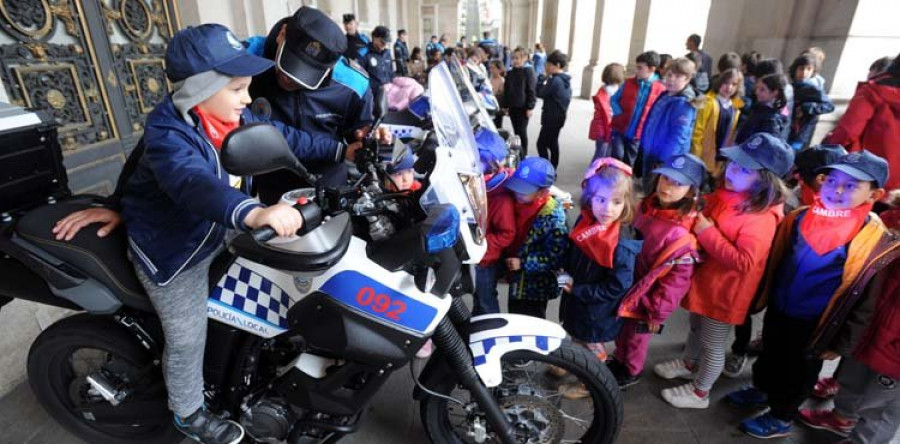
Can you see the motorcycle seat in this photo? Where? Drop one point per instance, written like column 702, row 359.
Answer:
column 103, row 259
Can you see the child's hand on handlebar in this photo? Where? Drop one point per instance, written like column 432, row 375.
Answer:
column 283, row 218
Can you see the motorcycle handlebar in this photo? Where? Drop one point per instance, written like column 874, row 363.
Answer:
column 312, row 218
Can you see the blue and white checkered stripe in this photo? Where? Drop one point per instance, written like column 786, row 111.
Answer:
column 254, row 295
column 481, row 349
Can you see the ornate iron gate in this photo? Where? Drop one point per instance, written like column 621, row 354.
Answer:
column 97, row 66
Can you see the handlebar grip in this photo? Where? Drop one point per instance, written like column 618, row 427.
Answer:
column 263, row 234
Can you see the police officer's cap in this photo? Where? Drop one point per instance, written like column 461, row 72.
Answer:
column 313, row 44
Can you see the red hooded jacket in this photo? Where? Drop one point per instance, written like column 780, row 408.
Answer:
column 872, row 122
column 630, row 90
column 501, row 226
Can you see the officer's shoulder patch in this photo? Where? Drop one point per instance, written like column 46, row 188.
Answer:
column 350, row 74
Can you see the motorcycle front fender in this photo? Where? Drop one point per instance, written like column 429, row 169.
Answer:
column 491, row 337
column 494, row 335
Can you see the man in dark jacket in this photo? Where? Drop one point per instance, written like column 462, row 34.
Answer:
column 519, row 95
column 556, row 91
column 401, row 53
column 378, row 64
column 357, row 42
column 312, row 87
column 701, row 80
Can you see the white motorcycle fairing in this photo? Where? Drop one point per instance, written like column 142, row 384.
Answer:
column 519, row 333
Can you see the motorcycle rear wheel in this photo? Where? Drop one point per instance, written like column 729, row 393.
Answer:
column 66, row 353
column 531, row 400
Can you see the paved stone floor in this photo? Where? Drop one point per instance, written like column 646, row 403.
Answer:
column 394, row 418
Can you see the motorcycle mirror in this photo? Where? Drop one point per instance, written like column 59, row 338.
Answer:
column 257, row 148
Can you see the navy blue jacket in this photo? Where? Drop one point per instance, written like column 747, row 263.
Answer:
column 519, row 89
column 401, row 56
column 590, row 312
column 178, row 202
column 556, row 91
column 764, row 119
column 357, row 46
column 809, row 103
column 379, row 65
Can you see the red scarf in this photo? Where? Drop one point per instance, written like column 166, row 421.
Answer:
column 824, row 229
column 595, row 240
column 807, row 194
column 525, row 216
column 650, row 208
column 215, row 129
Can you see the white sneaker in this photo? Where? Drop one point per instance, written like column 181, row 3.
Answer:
column 673, row 369
column 684, row 397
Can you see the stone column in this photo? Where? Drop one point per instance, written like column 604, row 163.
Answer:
column 613, row 19
column 584, row 25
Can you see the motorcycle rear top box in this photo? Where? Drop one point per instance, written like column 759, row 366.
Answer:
column 31, row 161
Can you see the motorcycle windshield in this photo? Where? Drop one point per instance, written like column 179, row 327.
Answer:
column 473, row 102
column 453, row 130
column 451, row 122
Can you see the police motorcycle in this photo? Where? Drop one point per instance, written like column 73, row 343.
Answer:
column 304, row 331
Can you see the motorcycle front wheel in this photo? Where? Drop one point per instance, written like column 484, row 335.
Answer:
column 64, row 355
column 567, row 396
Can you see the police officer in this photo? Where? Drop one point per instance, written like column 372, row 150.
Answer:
column 312, row 87
column 379, row 64
column 401, row 53
column 357, row 42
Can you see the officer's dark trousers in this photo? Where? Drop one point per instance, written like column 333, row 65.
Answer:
column 520, row 126
column 548, row 142
column 783, row 370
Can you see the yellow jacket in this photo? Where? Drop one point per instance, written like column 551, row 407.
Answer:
column 703, row 141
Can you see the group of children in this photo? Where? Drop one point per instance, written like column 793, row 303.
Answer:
column 658, row 113
column 625, row 266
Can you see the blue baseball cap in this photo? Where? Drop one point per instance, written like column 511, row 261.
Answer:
column 814, row 158
column 406, row 162
column 208, row 47
column 686, row 169
column 533, row 174
column 862, row 165
column 762, row 151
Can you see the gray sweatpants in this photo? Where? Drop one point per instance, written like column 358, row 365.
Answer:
column 181, row 306
column 871, row 399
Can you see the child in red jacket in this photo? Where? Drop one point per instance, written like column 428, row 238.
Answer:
column 631, row 104
column 501, row 231
column 665, row 264
column 600, row 129
column 736, row 231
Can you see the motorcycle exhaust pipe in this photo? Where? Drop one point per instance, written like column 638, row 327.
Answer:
column 457, row 354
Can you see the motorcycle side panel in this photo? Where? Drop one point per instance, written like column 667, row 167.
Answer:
column 256, row 298
column 506, row 333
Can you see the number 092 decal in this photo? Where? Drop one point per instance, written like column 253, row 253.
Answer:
column 370, row 296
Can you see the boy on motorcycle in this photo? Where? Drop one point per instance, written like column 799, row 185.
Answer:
column 179, row 204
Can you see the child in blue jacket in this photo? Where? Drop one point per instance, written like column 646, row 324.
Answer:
column 554, row 87
column 179, row 204
column 671, row 121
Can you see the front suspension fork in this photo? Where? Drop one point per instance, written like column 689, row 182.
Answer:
column 458, row 357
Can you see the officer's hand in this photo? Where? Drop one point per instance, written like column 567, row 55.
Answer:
column 350, row 154
column 69, row 226
column 283, row 218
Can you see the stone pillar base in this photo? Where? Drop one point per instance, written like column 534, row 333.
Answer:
column 590, row 80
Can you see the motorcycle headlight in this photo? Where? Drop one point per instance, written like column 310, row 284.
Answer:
column 477, row 194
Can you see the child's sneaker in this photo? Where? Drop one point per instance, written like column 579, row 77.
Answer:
column 574, row 391
column 748, row 397
column 766, row 426
column 628, row 380
column 755, row 347
column 685, row 397
column 207, row 428
column 827, row 420
column 675, row 368
column 826, row 388
column 734, row 365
